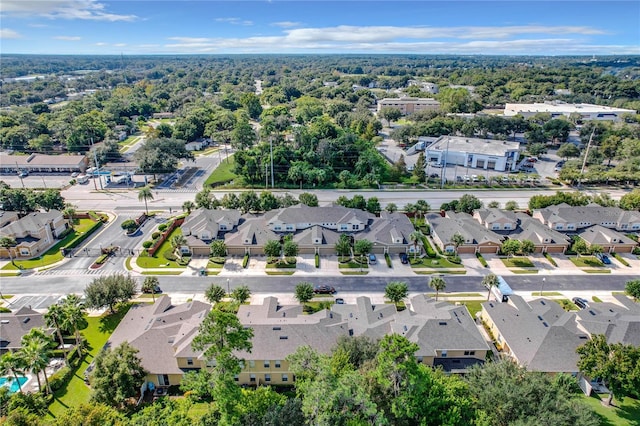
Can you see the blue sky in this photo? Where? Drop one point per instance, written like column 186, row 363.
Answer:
column 348, row 26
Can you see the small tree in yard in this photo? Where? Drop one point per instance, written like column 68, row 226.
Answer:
column 438, row 284
column 362, row 247
column 129, row 225
column 395, row 291
column 272, row 248
column 490, row 281
column 580, row 246
column 241, row 294
column 109, row 290
column 117, row 375
column 633, row 289
column 149, row 285
column 457, row 239
column 527, row 247
column 218, row 248
column 214, row 293
column 343, row 246
column 290, row 248
column 510, row 247
column 8, row 243
column 415, row 237
column 304, row 292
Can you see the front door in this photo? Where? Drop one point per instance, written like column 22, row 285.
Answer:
column 163, row 379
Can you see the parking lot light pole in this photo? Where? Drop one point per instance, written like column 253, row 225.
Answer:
column 542, row 286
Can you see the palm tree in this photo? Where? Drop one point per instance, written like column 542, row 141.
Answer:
column 7, row 243
column 53, row 318
column 178, row 241
column 416, row 236
column 457, row 240
column 145, row 194
column 68, row 212
column 12, row 363
column 149, row 285
column 489, row 281
column 73, row 317
column 187, row 206
column 422, row 208
column 438, row 284
column 36, row 353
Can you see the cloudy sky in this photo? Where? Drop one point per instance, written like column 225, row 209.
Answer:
column 348, row 26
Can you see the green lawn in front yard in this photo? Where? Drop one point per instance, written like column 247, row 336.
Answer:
column 52, row 255
column 427, row 262
column 98, row 331
column 546, row 293
column 158, row 261
column 585, row 261
column 625, row 413
column 517, row 262
column 474, row 306
column 352, row 265
column 222, row 174
column 567, row 305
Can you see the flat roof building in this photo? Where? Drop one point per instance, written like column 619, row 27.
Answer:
column 487, row 154
column 408, row 105
column 558, row 109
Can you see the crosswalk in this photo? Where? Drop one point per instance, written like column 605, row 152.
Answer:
column 75, row 271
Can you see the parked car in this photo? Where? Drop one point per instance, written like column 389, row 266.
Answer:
column 324, row 289
column 404, row 258
column 156, row 289
column 603, row 258
column 339, row 301
column 23, row 173
column 580, row 302
column 372, row 258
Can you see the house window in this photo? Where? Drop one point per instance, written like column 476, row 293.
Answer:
column 420, row 359
column 444, row 354
column 495, row 226
column 277, row 363
column 252, row 377
column 355, row 227
column 285, row 377
column 163, row 380
column 189, row 361
column 469, row 353
column 571, row 227
column 266, row 364
column 24, row 252
column 507, row 226
column 223, row 227
column 267, row 377
column 636, row 226
column 277, row 228
column 289, row 228
column 559, row 226
column 236, row 377
column 343, row 227
column 252, row 363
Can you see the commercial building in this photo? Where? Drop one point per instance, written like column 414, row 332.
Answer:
column 486, row 154
column 408, row 105
column 562, row 109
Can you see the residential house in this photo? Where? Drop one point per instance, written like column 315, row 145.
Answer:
column 521, row 226
column 35, row 233
column 477, row 238
column 15, row 325
column 250, row 237
column 390, row 233
column 544, row 337
column 609, row 239
column 204, row 225
column 6, row 217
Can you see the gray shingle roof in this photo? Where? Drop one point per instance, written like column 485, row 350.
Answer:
column 301, row 213
column 464, row 224
column 604, row 236
column 14, row 325
column 209, row 219
column 389, row 228
column 592, row 213
column 33, row 222
column 533, row 230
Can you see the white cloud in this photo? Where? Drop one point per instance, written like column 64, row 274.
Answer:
column 235, row 21
column 61, row 9
column 120, row 44
column 6, row 33
column 68, row 38
column 286, row 24
column 101, row 43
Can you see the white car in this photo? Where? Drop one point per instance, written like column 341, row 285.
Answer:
column 74, row 174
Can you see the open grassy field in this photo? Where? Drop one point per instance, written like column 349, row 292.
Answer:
column 222, row 174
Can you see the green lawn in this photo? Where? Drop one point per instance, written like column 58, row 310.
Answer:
column 352, row 265
column 442, row 272
column 517, row 262
column 596, row 299
column 158, row 261
column 567, row 305
column 546, row 293
column 585, row 261
column 53, row 255
column 95, row 336
column 474, row 306
column 626, row 413
column 460, row 295
column 438, row 263
column 597, row 271
column 222, row 174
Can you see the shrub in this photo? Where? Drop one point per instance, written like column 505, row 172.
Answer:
column 80, row 238
column 454, row 259
column 102, row 259
column 155, row 235
column 4, row 310
column 290, row 260
column 245, row 260
column 636, row 251
column 550, row 259
column 272, row 260
column 317, row 260
column 169, row 255
column 620, row 259
column 60, row 378
column 162, row 227
column 147, row 244
column 218, row 259
column 387, row 258
column 481, row 260
column 428, row 249
column 129, row 225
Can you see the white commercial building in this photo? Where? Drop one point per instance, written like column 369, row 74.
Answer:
column 408, row 105
column 486, row 154
column 557, row 109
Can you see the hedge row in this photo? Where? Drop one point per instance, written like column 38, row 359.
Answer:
column 245, row 261
column 80, row 238
column 481, row 260
column 428, row 249
column 317, row 260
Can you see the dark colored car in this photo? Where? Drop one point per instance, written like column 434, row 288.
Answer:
column 404, row 258
column 339, row 301
column 324, row 289
column 372, row 258
column 603, row 258
column 156, row 289
column 580, row 302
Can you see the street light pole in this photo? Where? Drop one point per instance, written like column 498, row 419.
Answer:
column 228, row 288
column 542, row 286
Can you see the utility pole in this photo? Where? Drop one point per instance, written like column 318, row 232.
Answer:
column 444, row 166
column 586, row 153
column 95, row 160
column 19, row 174
column 271, row 148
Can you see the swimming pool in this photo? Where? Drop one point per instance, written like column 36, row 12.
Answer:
column 12, row 383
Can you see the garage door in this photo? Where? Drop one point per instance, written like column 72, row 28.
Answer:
column 491, row 165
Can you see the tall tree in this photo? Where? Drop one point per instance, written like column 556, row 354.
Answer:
column 419, row 169
column 109, row 290
column 633, row 289
column 241, row 294
column 416, row 237
column 395, row 291
column 304, row 292
column 117, row 375
column 457, row 239
column 36, row 353
column 8, row 243
column 73, row 318
column 12, row 363
column 489, row 281
column 54, row 318
column 145, row 194
column 438, row 284
column 214, row 293
column 149, row 285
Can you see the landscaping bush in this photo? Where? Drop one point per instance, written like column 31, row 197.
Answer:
column 317, row 260
column 272, row 260
column 183, row 261
column 147, row 244
column 344, row 259
column 102, row 259
column 454, row 258
column 155, row 235
column 60, row 378
column 80, row 238
column 162, row 227
column 481, row 260
column 4, row 310
column 428, row 249
column 620, row 259
column 291, row 260
column 245, row 260
column 169, row 255
column 636, row 251
column 387, row 258
column 218, row 259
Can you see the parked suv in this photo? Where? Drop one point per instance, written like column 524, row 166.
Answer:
column 324, row 289
column 580, row 302
column 372, row 258
column 603, row 258
column 404, row 258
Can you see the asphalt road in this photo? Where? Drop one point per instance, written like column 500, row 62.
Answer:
column 60, row 285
